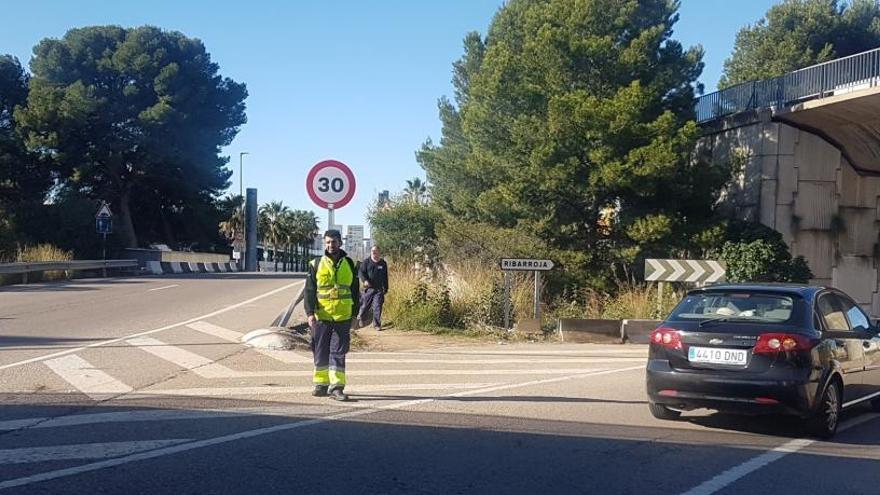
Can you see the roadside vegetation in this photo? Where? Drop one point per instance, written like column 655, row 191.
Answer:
column 571, row 136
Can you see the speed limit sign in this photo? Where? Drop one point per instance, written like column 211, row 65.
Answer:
column 330, row 184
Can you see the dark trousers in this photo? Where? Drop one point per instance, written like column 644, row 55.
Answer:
column 375, row 297
column 330, row 343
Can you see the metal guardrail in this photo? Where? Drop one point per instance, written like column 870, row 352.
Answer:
column 65, row 266
column 839, row 76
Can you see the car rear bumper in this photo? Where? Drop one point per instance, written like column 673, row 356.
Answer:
column 789, row 392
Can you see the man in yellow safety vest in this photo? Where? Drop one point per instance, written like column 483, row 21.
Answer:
column 331, row 301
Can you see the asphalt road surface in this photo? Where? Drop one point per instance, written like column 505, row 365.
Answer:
column 140, row 386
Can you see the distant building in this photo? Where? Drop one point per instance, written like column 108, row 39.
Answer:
column 354, row 241
column 384, row 199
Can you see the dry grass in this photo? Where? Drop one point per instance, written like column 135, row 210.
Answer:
column 468, row 300
column 38, row 253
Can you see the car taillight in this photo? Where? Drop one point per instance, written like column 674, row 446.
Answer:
column 667, row 337
column 772, row 343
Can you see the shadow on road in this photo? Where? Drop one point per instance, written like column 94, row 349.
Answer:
column 300, row 446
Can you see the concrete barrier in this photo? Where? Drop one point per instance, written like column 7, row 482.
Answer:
column 639, row 331
column 590, row 331
column 168, row 267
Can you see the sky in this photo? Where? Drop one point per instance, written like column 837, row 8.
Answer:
column 351, row 80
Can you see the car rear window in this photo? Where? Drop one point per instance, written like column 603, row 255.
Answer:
column 744, row 306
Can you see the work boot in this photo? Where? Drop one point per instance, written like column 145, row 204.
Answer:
column 338, row 394
column 320, row 391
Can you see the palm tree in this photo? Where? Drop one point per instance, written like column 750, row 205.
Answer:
column 416, row 190
column 234, row 224
column 272, row 216
column 302, row 227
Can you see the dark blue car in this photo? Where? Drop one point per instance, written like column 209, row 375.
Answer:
column 765, row 348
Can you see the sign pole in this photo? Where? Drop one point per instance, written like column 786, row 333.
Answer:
column 331, row 220
column 537, row 295
column 506, row 299
column 660, row 286
column 104, row 255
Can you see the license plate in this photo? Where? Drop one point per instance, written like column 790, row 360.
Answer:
column 717, row 355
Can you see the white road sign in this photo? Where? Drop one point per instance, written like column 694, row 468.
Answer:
column 526, row 265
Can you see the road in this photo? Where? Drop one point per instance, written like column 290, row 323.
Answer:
column 140, row 386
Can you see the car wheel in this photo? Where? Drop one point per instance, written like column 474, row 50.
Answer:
column 824, row 422
column 660, row 411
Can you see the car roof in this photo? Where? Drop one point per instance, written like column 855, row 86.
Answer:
column 802, row 290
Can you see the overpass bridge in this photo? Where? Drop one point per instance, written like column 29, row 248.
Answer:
column 807, row 149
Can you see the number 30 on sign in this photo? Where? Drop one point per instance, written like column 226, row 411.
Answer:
column 330, row 184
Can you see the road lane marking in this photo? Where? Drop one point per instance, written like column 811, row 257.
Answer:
column 216, row 331
column 498, row 361
column 163, row 288
column 147, row 415
column 287, row 357
column 270, row 390
column 636, row 352
column 175, row 449
column 216, row 371
column 83, row 451
column 198, row 364
column 755, row 463
column 86, row 378
column 149, row 332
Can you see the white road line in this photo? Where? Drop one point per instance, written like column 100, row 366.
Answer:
column 217, row 371
column 163, row 288
column 146, row 415
column 582, row 353
column 216, row 331
column 755, row 463
column 269, row 390
column 83, row 451
column 287, row 357
column 149, row 332
column 196, row 363
column 175, row 449
column 86, row 378
column 498, row 361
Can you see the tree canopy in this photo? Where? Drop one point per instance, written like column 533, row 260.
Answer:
column 567, row 110
column 798, row 33
column 133, row 117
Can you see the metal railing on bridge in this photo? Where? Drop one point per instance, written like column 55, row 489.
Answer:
column 66, row 266
column 839, row 76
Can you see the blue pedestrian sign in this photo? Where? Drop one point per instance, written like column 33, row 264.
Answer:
column 104, row 220
column 104, row 225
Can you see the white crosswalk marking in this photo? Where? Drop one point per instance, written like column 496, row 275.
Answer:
column 198, row 364
column 216, row 331
column 83, row 451
column 287, row 357
column 160, row 415
column 86, row 378
column 270, row 390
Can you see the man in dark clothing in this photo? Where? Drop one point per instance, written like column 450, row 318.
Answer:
column 374, row 272
column 331, row 301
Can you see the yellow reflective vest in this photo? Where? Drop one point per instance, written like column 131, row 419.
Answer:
column 335, row 301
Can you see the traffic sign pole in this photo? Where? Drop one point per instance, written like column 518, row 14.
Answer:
column 537, row 295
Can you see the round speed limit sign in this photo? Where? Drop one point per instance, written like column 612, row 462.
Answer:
column 330, row 184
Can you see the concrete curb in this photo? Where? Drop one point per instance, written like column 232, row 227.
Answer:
column 590, row 331
column 639, row 331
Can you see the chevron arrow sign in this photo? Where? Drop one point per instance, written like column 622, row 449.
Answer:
column 684, row 271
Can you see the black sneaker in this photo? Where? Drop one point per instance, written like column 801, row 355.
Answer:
column 338, row 394
column 320, row 391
